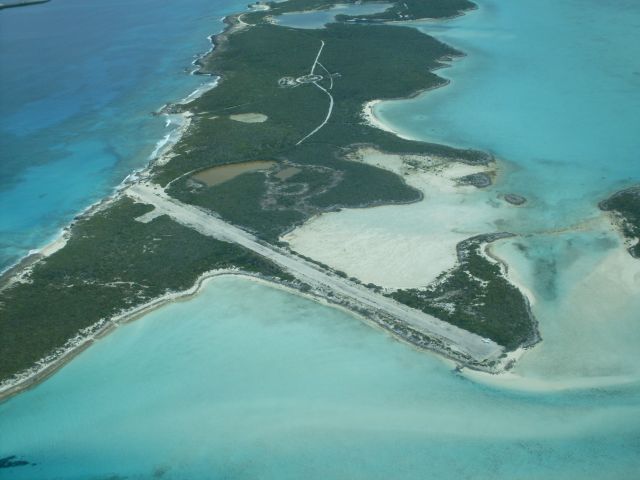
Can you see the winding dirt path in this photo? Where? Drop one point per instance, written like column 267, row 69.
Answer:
column 330, row 111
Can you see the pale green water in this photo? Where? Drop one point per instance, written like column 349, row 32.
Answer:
column 281, row 387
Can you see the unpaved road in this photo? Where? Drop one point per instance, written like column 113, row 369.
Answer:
column 330, row 110
column 210, row 225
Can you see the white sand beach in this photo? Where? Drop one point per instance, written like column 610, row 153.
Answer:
column 370, row 118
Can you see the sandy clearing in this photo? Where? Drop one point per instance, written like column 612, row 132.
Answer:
column 249, row 117
column 402, row 246
column 287, row 173
column 370, row 118
column 149, row 216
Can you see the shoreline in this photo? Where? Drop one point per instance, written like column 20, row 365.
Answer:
column 370, row 118
column 16, row 271
column 159, row 156
column 373, row 120
column 409, row 265
column 519, row 383
column 508, row 271
column 85, row 337
column 100, row 329
column 76, row 345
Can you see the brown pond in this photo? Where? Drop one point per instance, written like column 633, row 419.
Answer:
column 222, row 173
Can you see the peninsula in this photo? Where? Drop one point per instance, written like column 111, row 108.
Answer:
column 274, row 144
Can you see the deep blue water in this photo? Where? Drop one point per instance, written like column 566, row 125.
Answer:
column 79, row 80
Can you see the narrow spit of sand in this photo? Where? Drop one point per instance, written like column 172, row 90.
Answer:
column 590, row 348
column 369, row 116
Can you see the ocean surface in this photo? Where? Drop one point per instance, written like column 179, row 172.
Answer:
column 79, row 81
column 282, row 387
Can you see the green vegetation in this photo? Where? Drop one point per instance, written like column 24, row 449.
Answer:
column 474, row 295
column 251, row 65
column 240, row 201
column 111, row 263
column 626, row 206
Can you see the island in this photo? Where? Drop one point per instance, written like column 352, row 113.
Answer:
column 624, row 206
column 283, row 137
column 23, row 3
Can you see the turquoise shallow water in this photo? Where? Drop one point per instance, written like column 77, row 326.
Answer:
column 552, row 87
column 79, row 81
column 553, row 90
column 282, row 387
